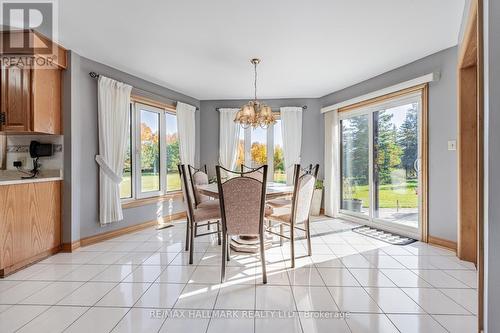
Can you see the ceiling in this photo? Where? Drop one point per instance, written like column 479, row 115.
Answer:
column 308, row 48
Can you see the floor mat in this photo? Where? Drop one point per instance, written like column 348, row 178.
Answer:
column 384, row 236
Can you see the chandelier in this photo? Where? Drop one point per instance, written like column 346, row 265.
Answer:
column 255, row 113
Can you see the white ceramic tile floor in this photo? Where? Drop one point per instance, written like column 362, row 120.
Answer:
column 142, row 282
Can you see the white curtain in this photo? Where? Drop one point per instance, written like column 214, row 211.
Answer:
column 113, row 101
column 291, row 131
column 186, row 126
column 332, row 163
column 229, row 134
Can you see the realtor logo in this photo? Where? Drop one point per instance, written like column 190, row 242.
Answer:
column 16, row 16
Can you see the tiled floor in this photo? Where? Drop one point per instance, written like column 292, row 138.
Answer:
column 143, row 283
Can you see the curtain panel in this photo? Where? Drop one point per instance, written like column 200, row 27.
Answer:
column 291, row 125
column 332, row 163
column 186, row 126
column 229, row 134
column 114, row 122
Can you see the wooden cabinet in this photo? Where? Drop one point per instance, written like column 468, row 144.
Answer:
column 30, row 96
column 30, row 99
column 30, row 223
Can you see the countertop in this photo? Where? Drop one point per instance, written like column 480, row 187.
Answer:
column 13, row 177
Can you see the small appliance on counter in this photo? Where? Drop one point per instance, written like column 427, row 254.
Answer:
column 38, row 150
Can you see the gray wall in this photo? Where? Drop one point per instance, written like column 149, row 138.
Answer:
column 312, row 132
column 442, row 127
column 492, row 157
column 81, row 187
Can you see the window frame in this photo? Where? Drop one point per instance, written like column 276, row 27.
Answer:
column 136, row 105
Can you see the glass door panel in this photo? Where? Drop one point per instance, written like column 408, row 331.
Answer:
column 396, row 164
column 355, row 189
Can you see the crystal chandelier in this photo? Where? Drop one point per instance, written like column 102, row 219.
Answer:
column 255, row 113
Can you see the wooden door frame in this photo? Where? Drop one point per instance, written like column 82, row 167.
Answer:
column 470, row 147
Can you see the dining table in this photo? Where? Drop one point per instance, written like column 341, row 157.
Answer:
column 250, row 243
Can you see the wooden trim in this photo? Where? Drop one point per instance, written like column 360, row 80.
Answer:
column 441, row 242
column 150, row 201
column 383, row 98
column 153, row 102
column 123, row 231
column 70, row 247
column 28, row 262
column 470, row 245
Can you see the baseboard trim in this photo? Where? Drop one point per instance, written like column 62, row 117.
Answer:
column 123, row 231
column 441, row 242
column 27, row 262
column 70, row 247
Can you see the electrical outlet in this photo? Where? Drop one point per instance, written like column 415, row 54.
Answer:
column 452, row 145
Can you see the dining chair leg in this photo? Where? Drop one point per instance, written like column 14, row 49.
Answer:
column 224, row 254
column 308, row 235
column 191, row 242
column 187, row 233
column 228, row 246
column 292, row 244
column 218, row 233
column 281, row 233
column 263, row 258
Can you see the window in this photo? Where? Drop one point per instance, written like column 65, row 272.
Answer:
column 278, row 157
column 149, row 149
column 152, row 154
column 259, row 146
column 126, row 184
column 380, row 162
column 173, row 159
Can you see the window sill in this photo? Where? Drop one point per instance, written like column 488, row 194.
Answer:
column 150, row 201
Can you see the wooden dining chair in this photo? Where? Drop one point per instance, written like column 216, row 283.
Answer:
column 197, row 217
column 298, row 212
column 242, row 208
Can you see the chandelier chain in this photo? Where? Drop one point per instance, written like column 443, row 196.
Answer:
column 255, row 80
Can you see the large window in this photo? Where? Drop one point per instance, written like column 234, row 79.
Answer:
column 259, row 146
column 152, row 155
column 380, row 162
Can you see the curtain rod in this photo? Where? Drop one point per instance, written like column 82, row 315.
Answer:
column 272, row 108
column 94, row 75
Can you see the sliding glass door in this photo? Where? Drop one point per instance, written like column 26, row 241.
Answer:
column 355, row 165
column 380, row 149
column 396, row 164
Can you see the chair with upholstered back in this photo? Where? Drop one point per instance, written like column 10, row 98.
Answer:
column 197, row 216
column 198, row 177
column 242, row 201
column 298, row 211
column 247, row 171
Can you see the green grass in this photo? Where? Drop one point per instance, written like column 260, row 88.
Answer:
column 150, row 182
column 389, row 195
column 279, row 177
